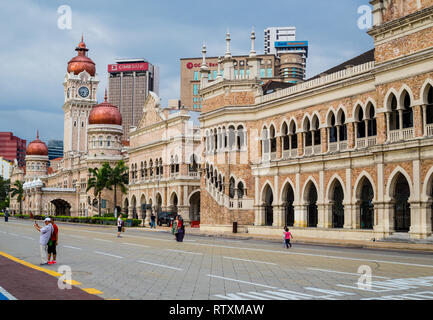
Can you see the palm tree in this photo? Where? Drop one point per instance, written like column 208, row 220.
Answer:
column 118, row 177
column 18, row 191
column 98, row 181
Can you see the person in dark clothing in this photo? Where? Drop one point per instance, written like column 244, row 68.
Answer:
column 180, row 233
column 152, row 221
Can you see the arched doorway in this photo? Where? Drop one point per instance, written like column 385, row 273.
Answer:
column 174, row 202
column 126, row 207
column 63, row 208
column 143, row 206
column 288, row 206
column 194, row 207
column 312, row 214
column 367, row 207
column 337, row 206
column 402, row 206
column 269, row 212
column 134, row 207
column 158, row 207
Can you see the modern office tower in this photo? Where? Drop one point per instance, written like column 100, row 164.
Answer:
column 55, row 149
column 12, row 148
column 130, row 81
column 274, row 34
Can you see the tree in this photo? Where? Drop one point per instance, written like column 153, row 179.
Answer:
column 18, row 191
column 98, row 182
column 4, row 193
column 118, row 177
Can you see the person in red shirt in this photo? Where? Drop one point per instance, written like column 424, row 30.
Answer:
column 52, row 244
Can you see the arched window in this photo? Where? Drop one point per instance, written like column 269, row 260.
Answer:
column 240, row 190
column 273, row 139
column 142, row 169
column 231, row 137
column 360, row 123
column 108, row 141
column 332, row 129
column 342, row 126
column 145, row 169
column 151, row 168
column 429, row 115
column 371, row 123
column 293, row 135
column 101, row 142
column 316, row 131
column 220, row 183
column 394, row 121
column 193, row 166
column 265, row 140
column 285, row 137
column 240, row 140
column 407, row 111
column 231, row 188
column 176, row 160
column 161, row 167
column 157, row 167
column 308, row 134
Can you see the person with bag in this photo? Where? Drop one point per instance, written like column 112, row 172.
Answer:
column 174, row 227
column 120, row 226
column 180, row 233
column 52, row 243
column 46, row 233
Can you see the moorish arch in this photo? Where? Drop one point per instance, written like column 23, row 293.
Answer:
column 143, row 206
column 194, row 205
column 427, row 196
column 158, row 203
column 288, row 199
column 268, row 200
column 310, row 197
column 126, row 207
column 335, row 195
column 134, row 207
column 399, row 191
column 364, row 196
column 174, row 202
column 62, row 207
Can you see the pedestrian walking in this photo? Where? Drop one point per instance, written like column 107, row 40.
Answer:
column 174, row 226
column 119, row 226
column 6, row 216
column 52, row 244
column 180, row 233
column 287, row 237
column 44, row 238
column 152, row 221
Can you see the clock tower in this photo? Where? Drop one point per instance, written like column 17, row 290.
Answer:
column 81, row 84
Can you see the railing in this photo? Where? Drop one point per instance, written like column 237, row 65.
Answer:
column 308, row 151
column 333, row 146
column 193, row 174
column 429, row 130
column 273, row 156
column 286, row 154
column 402, row 134
column 365, row 142
column 266, row 157
column 347, row 73
column 294, row 153
column 343, row 145
column 318, row 149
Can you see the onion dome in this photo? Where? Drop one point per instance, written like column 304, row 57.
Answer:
column 37, row 148
column 81, row 62
column 105, row 113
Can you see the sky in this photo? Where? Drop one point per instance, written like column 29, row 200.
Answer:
column 34, row 52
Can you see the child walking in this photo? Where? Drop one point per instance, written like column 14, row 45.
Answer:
column 287, row 237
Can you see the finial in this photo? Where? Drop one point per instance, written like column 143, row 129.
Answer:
column 82, row 37
column 228, row 54
column 105, row 95
column 253, row 38
column 37, row 134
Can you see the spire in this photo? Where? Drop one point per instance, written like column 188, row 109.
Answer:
column 105, row 95
column 253, row 38
column 228, row 54
column 219, row 75
column 82, row 37
column 203, row 51
column 37, row 134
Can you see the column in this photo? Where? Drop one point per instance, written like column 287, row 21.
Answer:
column 279, row 219
column 388, row 126
column 259, row 215
column 324, row 136
column 327, row 214
column 424, row 119
column 301, row 220
column 356, row 215
column 400, row 119
column 130, row 212
column 420, row 219
column 300, row 143
column 418, row 121
column 351, row 135
column 279, row 146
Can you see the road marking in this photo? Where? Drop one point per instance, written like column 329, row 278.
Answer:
column 102, row 240
column 355, row 274
column 13, row 234
column 70, row 247
column 241, row 281
column 250, row 260
column 180, row 251
column 74, row 236
column 108, row 254
column 28, row 238
column 92, row 291
column 159, row 265
column 136, row 245
column 27, row 264
column 4, row 295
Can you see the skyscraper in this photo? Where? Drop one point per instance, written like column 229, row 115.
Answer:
column 55, row 149
column 130, row 81
column 12, row 148
column 274, row 34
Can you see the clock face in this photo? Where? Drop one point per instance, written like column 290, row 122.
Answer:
column 83, row 92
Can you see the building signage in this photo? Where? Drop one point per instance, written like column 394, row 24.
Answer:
column 285, row 44
column 191, row 65
column 126, row 67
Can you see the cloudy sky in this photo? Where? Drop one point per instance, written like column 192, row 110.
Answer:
column 35, row 52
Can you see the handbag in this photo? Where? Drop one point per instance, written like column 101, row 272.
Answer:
column 123, row 229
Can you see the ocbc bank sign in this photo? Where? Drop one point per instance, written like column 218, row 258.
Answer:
column 191, row 65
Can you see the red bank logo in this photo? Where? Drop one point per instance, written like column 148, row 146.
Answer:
column 190, row 65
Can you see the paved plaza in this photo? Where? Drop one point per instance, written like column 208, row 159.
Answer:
column 150, row 265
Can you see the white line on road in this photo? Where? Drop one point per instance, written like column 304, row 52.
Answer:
column 70, row 247
column 250, row 260
column 180, row 251
column 136, row 245
column 102, row 240
column 108, row 254
column 241, row 281
column 28, row 238
column 13, row 234
column 74, row 236
column 159, row 265
column 354, row 274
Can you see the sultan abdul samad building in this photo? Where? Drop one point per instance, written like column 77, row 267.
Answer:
column 347, row 154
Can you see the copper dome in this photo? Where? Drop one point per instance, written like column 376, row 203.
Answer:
column 105, row 113
column 37, row 148
column 81, row 62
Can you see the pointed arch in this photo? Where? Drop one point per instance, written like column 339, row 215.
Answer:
column 310, row 180
column 388, row 98
column 428, row 83
column 390, row 185
column 357, row 189
column 286, row 184
column 331, row 185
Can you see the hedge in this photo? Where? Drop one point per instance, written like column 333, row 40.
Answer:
column 90, row 220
